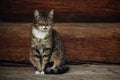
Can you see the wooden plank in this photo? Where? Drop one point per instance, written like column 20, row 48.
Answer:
column 83, row 41
column 14, row 41
column 76, row 72
column 65, row 11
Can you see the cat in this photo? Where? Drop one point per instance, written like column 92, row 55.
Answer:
column 47, row 53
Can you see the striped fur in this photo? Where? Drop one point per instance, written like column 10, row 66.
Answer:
column 47, row 49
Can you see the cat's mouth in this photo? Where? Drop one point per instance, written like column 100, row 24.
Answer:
column 45, row 29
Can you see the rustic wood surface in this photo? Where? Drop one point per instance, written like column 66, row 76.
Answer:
column 65, row 11
column 76, row 72
column 83, row 41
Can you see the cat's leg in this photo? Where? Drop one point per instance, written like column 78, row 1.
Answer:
column 55, row 68
column 56, row 58
column 44, row 63
column 38, row 66
column 58, row 64
column 36, row 62
column 45, row 59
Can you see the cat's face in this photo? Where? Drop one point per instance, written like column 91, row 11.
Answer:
column 43, row 21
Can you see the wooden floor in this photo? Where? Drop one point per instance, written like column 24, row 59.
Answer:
column 76, row 72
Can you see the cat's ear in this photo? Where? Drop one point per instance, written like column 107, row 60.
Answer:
column 51, row 13
column 36, row 13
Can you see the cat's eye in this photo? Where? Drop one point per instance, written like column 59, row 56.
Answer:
column 50, row 23
column 39, row 24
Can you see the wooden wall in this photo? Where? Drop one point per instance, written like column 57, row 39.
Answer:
column 65, row 10
column 98, row 42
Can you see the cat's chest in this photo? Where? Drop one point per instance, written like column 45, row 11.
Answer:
column 39, row 34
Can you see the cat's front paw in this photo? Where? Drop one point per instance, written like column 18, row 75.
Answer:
column 42, row 72
column 37, row 72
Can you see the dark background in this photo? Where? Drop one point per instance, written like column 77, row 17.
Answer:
column 65, row 10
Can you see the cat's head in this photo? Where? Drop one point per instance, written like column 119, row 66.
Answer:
column 43, row 21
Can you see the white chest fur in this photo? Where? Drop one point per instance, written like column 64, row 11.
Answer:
column 39, row 34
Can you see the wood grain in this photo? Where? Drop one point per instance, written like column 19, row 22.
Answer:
column 65, row 11
column 76, row 72
column 83, row 41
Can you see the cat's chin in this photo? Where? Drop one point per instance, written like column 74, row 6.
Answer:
column 45, row 30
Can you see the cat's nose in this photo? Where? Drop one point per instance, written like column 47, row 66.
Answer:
column 44, row 27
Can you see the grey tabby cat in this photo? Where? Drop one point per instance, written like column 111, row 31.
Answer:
column 47, row 49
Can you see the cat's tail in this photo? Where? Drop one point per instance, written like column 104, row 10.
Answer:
column 57, row 70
